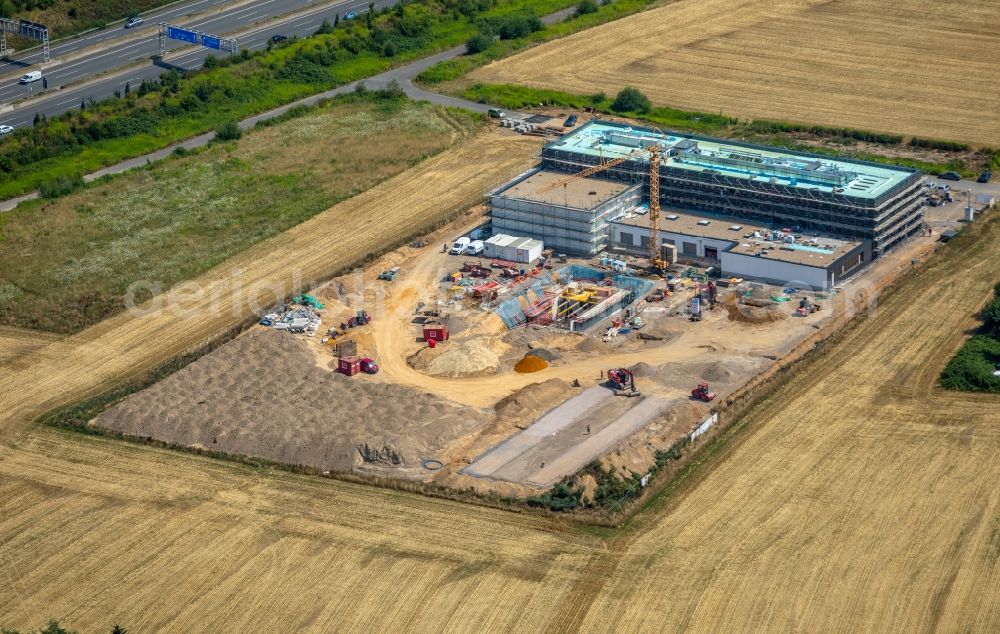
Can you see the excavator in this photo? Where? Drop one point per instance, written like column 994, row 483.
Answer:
column 656, row 261
column 622, row 381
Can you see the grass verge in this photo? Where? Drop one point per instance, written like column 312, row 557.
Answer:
column 68, row 263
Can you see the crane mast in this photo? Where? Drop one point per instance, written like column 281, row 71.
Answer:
column 654, row 209
column 655, row 260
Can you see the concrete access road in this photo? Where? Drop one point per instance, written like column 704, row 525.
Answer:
column 89, row 72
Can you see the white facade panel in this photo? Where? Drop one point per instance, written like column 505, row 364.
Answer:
column 774, row 271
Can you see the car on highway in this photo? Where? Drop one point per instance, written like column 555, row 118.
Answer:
column 278, row 38
column 985, row 177
column 5, row 129
column 950, row 176
column 27, row 78
column 133, row 22
column 351, row 15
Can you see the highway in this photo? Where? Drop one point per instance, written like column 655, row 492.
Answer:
column 179, row 13
column 104, row 64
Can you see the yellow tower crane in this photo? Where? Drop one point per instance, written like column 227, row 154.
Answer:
column 655, row 258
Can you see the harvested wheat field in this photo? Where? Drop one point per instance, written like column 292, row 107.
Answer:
column 902, row 66
column 377, row 219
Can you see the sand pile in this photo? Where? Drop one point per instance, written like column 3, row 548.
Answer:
column 544, row 354
column 262, row 395
column 464, row 359
column 591, row 344
column 454, row 324
column 644, row 369
column 755, row 315
column 530, row 401
column 530, row 363
column 735, row 369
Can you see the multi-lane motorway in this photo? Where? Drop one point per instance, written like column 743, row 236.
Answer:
column 109, row 65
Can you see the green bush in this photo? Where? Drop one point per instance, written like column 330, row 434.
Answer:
column 60, row 186
column 972, row 367
column 564, row 496
column 229, row 131
column 585, row 7
column 478, row 43
column 935, row 144
column 630, row 99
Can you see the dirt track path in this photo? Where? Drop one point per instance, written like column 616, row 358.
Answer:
column 385, row 215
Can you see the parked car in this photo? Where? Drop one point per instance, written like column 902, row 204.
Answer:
column 476, row 247
column 570, row 121
column 278, row 38
column 985, row 177
column 460, row 245
column 351, row 15
column 497, row 113
column 27, row 78
column 950, row 176
column 6, row 129
column 133, row 22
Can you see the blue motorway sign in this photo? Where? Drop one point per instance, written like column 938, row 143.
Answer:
column 175, row 33
column 211, row 41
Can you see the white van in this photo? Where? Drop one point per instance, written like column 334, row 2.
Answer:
column 460, row 245
column 475, row 247
column 34, row 75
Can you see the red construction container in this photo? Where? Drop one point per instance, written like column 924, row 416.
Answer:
column 435, row 332
column 348, row 365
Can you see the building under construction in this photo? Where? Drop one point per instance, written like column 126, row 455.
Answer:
column 854, row 200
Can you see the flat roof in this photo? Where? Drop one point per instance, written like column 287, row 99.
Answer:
column 517, row 242
column 764, row 164
column 581, row 193
column 809, row 248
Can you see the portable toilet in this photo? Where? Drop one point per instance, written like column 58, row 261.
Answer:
column 435, row 332
column 348, row 365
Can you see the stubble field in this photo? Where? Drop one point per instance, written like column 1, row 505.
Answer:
column 907, row 67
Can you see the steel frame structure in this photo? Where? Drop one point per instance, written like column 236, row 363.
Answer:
column 24, row 28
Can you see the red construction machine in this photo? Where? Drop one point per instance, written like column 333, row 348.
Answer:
column 702, row 393
column 622, row 381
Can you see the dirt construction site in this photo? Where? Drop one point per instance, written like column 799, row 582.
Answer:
column 858, row 497
column 496, row 407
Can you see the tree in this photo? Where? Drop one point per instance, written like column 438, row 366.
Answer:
column 478, row 43
column 585, row 7
column 118, row 629
column 128, row 89
column 229, row 131
column 326, row 28
column 631, row 100
column 54, row 628
column 336, row 20
column 211, row 61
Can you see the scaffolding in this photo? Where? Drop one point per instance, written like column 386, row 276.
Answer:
column 835, row 204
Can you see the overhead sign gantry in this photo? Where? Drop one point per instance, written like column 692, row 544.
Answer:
column 171, row 32
column 24, row 28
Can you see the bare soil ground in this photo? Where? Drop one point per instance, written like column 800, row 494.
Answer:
column 858, row 498
column 910, row 67
column 262, row 395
